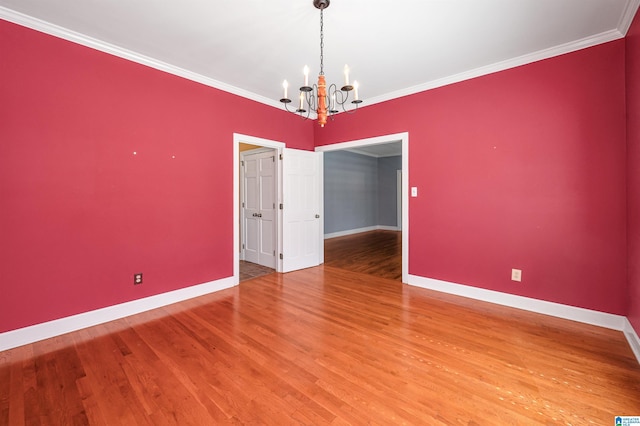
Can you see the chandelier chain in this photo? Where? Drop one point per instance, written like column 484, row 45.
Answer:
column 321, row 42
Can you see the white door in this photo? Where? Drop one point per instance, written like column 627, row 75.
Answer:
column 303, row 244
column 259, row 208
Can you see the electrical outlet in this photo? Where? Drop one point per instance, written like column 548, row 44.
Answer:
column 137, row 279
column 516, row 275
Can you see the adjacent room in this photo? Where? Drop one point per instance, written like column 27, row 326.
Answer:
column 207, row 217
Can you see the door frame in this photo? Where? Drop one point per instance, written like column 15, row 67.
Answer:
column 243, row 230
column 266, row 143
column 396, row 137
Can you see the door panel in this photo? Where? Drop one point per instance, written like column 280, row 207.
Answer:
column 251, row 209
column 267, row 200
column 302, row 239
column 259, row 206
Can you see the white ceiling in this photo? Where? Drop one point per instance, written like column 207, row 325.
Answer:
column 379, row 150
column 394, row 48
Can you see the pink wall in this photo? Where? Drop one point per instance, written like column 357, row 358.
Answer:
column 633, row 167
column 519, row 169
column 80, row 213
column 524, row 168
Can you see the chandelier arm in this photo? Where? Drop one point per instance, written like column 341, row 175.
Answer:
column 312, row 99
column 331, row 99
column 286, row 106
column 341, row 98
column 353, row 110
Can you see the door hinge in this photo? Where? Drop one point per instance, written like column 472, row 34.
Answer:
column 243, row 247
column 281, row 156
column 242, row 163
column 274, row 252
column 280, row 256
column 274, row 205
column 242, row 204
column 281, row 206
column 274, row 158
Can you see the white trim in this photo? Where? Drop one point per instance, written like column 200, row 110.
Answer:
column 93, row 43
column 360, row 230
column 371, row 154
column 632, row 338
column 396, row 137
column 501, row 66
column 630, row 10
column 239, row 138
column 404, row 139
column 587, row 316
column 23, row 336
column 84, row 40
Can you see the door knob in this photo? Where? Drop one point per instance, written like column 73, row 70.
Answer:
column 317, row 216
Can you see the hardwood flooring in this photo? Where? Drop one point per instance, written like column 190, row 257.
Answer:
column 324, row 346
column 376, row 253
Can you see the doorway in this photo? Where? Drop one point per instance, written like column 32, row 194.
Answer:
column 298, row 220
column 402, row 221
column 258, row 192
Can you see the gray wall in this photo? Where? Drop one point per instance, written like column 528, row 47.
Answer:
column 359, row 191
column 387, row 190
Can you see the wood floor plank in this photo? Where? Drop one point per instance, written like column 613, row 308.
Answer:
column 377, row 253
column 324, row 346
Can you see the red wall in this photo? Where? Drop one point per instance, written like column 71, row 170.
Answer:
column 524, row 169
column 633, row 167
column 80, row 214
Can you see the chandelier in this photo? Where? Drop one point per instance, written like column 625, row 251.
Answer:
column 318, row 99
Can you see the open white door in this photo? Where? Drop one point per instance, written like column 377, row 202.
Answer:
column 302, row 242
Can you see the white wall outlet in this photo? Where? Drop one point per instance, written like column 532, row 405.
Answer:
column 516, row 275
column 414, row 191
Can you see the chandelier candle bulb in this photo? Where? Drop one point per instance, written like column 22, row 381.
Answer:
column 346, row 75
column 306, row 76
column 285, row 85
column 355, row 90
column 301, row 101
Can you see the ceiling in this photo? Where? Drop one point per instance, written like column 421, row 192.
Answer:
column 379, row 150
column 249, row 47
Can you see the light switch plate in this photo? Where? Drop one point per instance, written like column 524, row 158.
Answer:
column 516, row 275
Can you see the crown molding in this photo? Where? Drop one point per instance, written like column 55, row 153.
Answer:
column 630, row 10
column 503, row 65
column 75, row 37
column 371, row 154
column 624, row 24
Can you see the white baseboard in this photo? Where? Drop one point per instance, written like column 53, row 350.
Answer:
column 23, row 336
column 360, row 230
column 632, row 338
column 588, row 316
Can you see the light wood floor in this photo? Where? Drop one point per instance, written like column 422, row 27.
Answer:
column 376, row 253
column 324, row 346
